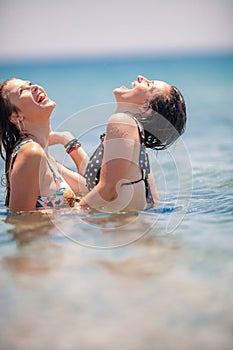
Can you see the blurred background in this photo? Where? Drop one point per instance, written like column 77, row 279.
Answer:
column 81, row 50
column 32, row 30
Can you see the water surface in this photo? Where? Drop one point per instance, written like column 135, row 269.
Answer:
column 160, row 279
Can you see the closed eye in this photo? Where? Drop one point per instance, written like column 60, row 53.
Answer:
column 20, row 90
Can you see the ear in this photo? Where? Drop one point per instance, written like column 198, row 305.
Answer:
column 15, row 118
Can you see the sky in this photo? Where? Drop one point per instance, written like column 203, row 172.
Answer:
column 44, row 29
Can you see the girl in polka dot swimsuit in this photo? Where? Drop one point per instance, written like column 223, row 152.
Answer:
column 92, row 173
column 151, row 114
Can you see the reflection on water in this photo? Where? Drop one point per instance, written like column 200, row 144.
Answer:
column 39, row 259
column 56, row 294
column 27, row 227
column 33, row 252
column 138, row 287
column 103, row 230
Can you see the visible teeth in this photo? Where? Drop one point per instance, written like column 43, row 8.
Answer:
column 41, row 97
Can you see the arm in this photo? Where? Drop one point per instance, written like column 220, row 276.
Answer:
column 154, row 192
column 76, row 181
column 120, row 145
column 79, row 156
column 24, row 179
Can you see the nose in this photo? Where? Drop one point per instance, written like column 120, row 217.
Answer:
column 141, row 78
column 34, row 88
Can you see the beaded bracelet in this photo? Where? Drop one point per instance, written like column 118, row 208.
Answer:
column 72, row 145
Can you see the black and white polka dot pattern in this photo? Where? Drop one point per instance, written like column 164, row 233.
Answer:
column 92, row 173
column 93, row 168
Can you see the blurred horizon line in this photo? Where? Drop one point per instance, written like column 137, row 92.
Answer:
column 89, row 58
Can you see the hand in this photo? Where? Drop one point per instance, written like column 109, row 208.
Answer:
column 60, row 137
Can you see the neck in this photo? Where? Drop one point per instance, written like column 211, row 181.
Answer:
column 128, row 107
column 39, row 133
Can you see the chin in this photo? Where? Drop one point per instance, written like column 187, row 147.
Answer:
column 50, row 104
column 53, row 104
column 118, row 95
column 48, row 108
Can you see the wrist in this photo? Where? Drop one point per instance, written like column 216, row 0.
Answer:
column 65, row 139
column 60, row 138
column 72, row 145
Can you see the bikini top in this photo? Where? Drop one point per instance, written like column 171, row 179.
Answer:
column 92, row 173
column 63, row 196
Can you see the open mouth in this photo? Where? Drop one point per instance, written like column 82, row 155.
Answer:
column 133, row 84
column 40, row 97
column 123, row 87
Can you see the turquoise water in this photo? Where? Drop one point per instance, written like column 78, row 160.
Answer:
column 160, row 279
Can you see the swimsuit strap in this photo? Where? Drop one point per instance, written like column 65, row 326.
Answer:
column 145, row 168
column 60, row 197
column 56, row 176
column 16, row 150
column 140, row 130
column 143, row 163
column 92, row 172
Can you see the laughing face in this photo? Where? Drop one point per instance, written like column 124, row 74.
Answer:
column 31, row 100
column 142, row 91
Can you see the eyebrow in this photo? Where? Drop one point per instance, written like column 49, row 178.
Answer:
column 28, row 82
column 24, row 84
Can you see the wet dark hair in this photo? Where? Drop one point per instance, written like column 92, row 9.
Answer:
column 167, row 120
column 9, row 134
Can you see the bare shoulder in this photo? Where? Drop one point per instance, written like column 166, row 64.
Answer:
column 31, row 154
column 121, row 125
column 31, row 149
column 122, row 118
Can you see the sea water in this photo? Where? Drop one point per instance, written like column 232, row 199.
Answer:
column 159, row 279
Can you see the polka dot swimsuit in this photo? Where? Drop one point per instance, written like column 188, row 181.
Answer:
column 92, row 173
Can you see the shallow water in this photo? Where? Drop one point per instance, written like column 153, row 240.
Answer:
column 160, row 279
